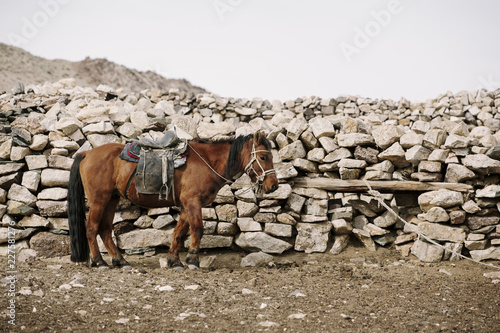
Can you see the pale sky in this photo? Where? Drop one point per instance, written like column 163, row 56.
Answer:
column 275, row 49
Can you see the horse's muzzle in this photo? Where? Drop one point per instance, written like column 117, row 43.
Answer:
column 270, row 185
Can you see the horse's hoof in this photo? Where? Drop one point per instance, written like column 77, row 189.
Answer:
column 194, row 266
column 103, row 267
column 121, row 263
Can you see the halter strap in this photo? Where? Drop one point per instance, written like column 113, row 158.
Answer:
column 249, row 168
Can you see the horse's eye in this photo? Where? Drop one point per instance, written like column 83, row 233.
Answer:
column 262, row 157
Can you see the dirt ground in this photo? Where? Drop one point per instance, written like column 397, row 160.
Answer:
column 356, row 291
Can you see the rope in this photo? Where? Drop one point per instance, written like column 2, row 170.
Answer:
column 218, row 174
column 230, row 182
column 378, row 197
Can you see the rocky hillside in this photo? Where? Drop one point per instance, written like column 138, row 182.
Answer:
column 18, row 65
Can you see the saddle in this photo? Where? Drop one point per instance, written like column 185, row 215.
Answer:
column 157, row 161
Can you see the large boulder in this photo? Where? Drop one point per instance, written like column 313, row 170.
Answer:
column 261, row 241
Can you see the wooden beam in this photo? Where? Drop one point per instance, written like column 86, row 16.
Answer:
column 356, row 185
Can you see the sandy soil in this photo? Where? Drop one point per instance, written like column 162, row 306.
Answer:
column 357, row 291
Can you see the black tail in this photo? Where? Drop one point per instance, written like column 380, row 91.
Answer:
column 76, row 214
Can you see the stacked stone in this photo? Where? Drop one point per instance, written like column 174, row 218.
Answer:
column 453, row 138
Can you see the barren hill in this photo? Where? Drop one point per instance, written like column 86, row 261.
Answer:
column 17, row 65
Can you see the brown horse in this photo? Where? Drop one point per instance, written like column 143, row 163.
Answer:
column 103, row 176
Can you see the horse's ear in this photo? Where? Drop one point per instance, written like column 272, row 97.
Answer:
column 257, row 137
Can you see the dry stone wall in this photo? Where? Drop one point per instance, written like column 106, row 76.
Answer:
column 454, row 138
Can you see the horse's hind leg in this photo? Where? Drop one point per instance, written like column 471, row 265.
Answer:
column 93, row 225
column 178, row 237
column 193, row 211
column 105, row 231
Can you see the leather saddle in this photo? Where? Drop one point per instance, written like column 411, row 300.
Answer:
column 157, row 161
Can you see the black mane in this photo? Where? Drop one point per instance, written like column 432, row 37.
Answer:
column 233, row 161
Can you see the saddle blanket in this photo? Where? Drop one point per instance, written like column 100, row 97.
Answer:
column 131, row 152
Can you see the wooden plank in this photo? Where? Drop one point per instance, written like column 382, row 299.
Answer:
column 356, row 185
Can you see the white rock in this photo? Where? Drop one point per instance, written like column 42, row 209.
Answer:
column 490, row 191
column 471, row 207
column 256, row 259
column 321, row 127
column 278, row 229
column 139, row 119
column 410, row 139
column 5, row 148
column 36, row 162
column 19, row 153
column 97, row 140
column 457, row 173
column 285, row 170
column 33, row 221
column 481, row 163
column 340, row 243
column 442, row 232
column 435, row 214
column 395, row 154
column 327, row 143
column 248, row 224
column 246, row 209
column 316, row 155
column 261, row 241
column 68, row 125
column 352, row 164
column 282, row 193
column 53, row 193
column 129, row 130
column 69, row 145
column 312, row 237
column 341, row 227
column 354, row 139
column 21, row 194
column 434, row 138
column 490, row 253
column 479, row 132
column 55, row 177
column 416, row 154
column 144, row 238
column 296, row 127
column 31, row 180
column 365, row 238
column 456, row 141
column 293, row 150
column 100, row 127
column 213, row 131
column 427, row 252
column 385, row 135
column 443, row 198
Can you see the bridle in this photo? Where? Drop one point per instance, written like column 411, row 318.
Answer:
column 249, row 168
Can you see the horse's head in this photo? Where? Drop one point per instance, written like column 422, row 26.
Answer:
column 259, row 163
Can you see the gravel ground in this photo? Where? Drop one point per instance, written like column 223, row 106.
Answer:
column 357, row 291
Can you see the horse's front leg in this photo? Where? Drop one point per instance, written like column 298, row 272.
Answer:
column 178, row 237
column 193, row 211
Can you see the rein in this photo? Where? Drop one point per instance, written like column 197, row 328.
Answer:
column 218, row 174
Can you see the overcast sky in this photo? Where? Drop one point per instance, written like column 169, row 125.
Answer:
column 275, row 49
